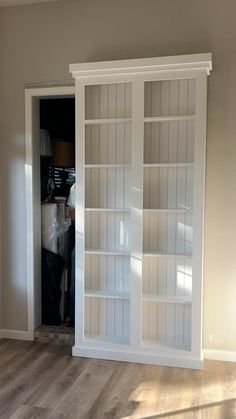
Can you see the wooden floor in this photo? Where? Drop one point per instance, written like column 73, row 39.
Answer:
column 43, row 381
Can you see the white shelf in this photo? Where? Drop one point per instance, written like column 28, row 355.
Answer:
column 107, row 252
column 153, row 253
column 169, row 118
column 176, row 299
column 147, row 165
column 172, row 210
column 164, row 345
column 106, row 294
column 107, row 121
column 138, row 233
column 106, row 166
column 117, row 340
column 107, row 209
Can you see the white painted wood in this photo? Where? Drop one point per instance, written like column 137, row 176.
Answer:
column 168, row 183
column 106, row 252
column 15, row 334
column 167, row 75
column 176, row 118
column 33, row 223
column 167, row 187
column 108, row 145
column 202, row 62
column 116, row 237
column 107, row 209
column 166, row 299
column 143, row 161
column 136, row 212
column 166, row 232
column 36, row 206
column 168, row 165
column 168, row 210
column 146, row 355
column 169, row 144
column 117, row 328
column 80, row 312
column 155, row 273
column 105, row 166
column 105, row 294
column 198, row 217
column 107, row 341
column 170, row 331
column 108, row 121
column 152, row 253
column 107, row 188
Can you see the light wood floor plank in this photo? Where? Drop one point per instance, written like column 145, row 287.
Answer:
column 44, row 381
column 26, row 412
column 57, row 386
column 85, row 390
column 30, row 374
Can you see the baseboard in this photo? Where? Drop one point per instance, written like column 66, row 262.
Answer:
column 141, row 358
column 14, row 334
column 217, row 355
column 211, row 354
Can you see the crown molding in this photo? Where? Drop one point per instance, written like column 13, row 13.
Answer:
column 158, row 64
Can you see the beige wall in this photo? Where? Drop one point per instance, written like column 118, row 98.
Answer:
column 1, row 198
column 40, row 41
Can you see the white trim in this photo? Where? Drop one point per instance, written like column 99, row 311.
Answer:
column 29, row 209
column 56, row 91
column 30, row 94
column 140, row 65
column 218, row 355
column 136, row 226
column 79, row 212
column 135, row 356
column 198, row 212
column 15, row 334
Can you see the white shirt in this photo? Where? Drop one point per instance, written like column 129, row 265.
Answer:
column 72, row 196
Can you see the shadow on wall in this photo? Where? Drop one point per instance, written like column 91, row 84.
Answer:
column 14, row 229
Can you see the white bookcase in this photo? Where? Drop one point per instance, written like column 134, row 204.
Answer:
column 140, row 156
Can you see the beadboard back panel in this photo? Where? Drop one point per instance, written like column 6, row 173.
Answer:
column 141, row 128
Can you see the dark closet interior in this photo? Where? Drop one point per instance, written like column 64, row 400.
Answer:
column 57, row 175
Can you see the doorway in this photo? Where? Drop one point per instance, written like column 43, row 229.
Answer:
column 44, row 111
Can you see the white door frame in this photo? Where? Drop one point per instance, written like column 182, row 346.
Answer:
column 33, row 247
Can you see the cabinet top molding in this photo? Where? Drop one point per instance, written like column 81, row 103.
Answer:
column 201, row 62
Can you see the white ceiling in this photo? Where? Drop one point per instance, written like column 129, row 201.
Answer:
column 7, row 3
